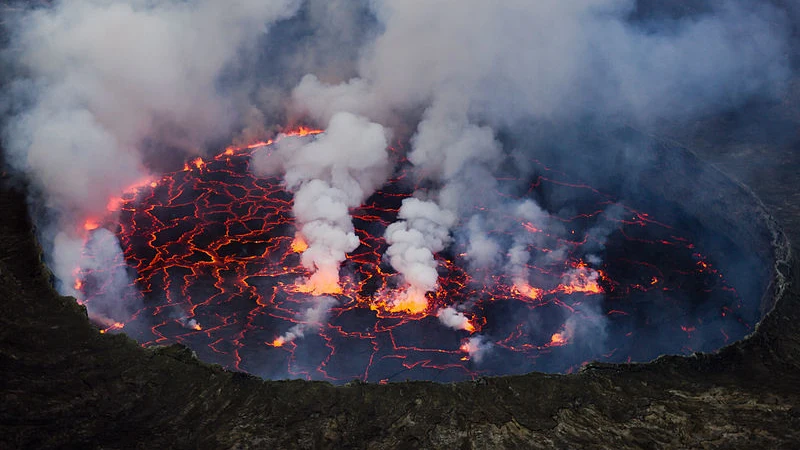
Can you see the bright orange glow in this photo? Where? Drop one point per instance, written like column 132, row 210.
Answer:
column 231, row 151
column 526, row 290
column 114, row 326
column 411, row 300
column 260, row 144
column 303, row 131
column 584, row 286
column 197, row 327
column 558, row 339
column 197, row 162
column 90, row 225
column 299, row 244
column 312, row 288
column 654, row 280
column 78, row 285
column 278, row 342
column 320, row 283
column 469, row 327
column 582, row 279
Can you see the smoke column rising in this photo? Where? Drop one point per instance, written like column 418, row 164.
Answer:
column 99, row 80
column 329, row 176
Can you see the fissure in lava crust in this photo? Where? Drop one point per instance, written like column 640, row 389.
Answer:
column 215, row 262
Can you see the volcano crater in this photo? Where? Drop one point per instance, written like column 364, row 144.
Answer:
column 687, row 265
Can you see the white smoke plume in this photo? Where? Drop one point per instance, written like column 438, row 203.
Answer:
column 102, row 83
column 422, row 229
column 482, row 250
column 329, row 176
column 309, row 320
column 454, row 319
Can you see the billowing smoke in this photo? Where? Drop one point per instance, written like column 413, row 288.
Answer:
column 329, row 176
column 422, row 230
column 106, row 93
column 556, row 60
column 454, row 319
column 104, row 88
column 479, row 68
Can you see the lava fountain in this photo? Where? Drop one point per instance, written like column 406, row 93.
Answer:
column 214, row 255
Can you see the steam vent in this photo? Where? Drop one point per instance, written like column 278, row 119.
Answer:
column 390, row 224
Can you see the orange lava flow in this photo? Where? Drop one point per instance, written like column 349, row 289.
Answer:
column 213, row 244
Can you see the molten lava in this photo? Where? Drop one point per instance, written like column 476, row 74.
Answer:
column 410, row 300
column 299, row 244
column 214, row 245
column 320, row 282
column 524, row 289
column 558, row 339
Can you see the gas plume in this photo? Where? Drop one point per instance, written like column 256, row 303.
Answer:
column 106, row 95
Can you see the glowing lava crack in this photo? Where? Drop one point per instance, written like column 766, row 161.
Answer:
column 214, row 255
